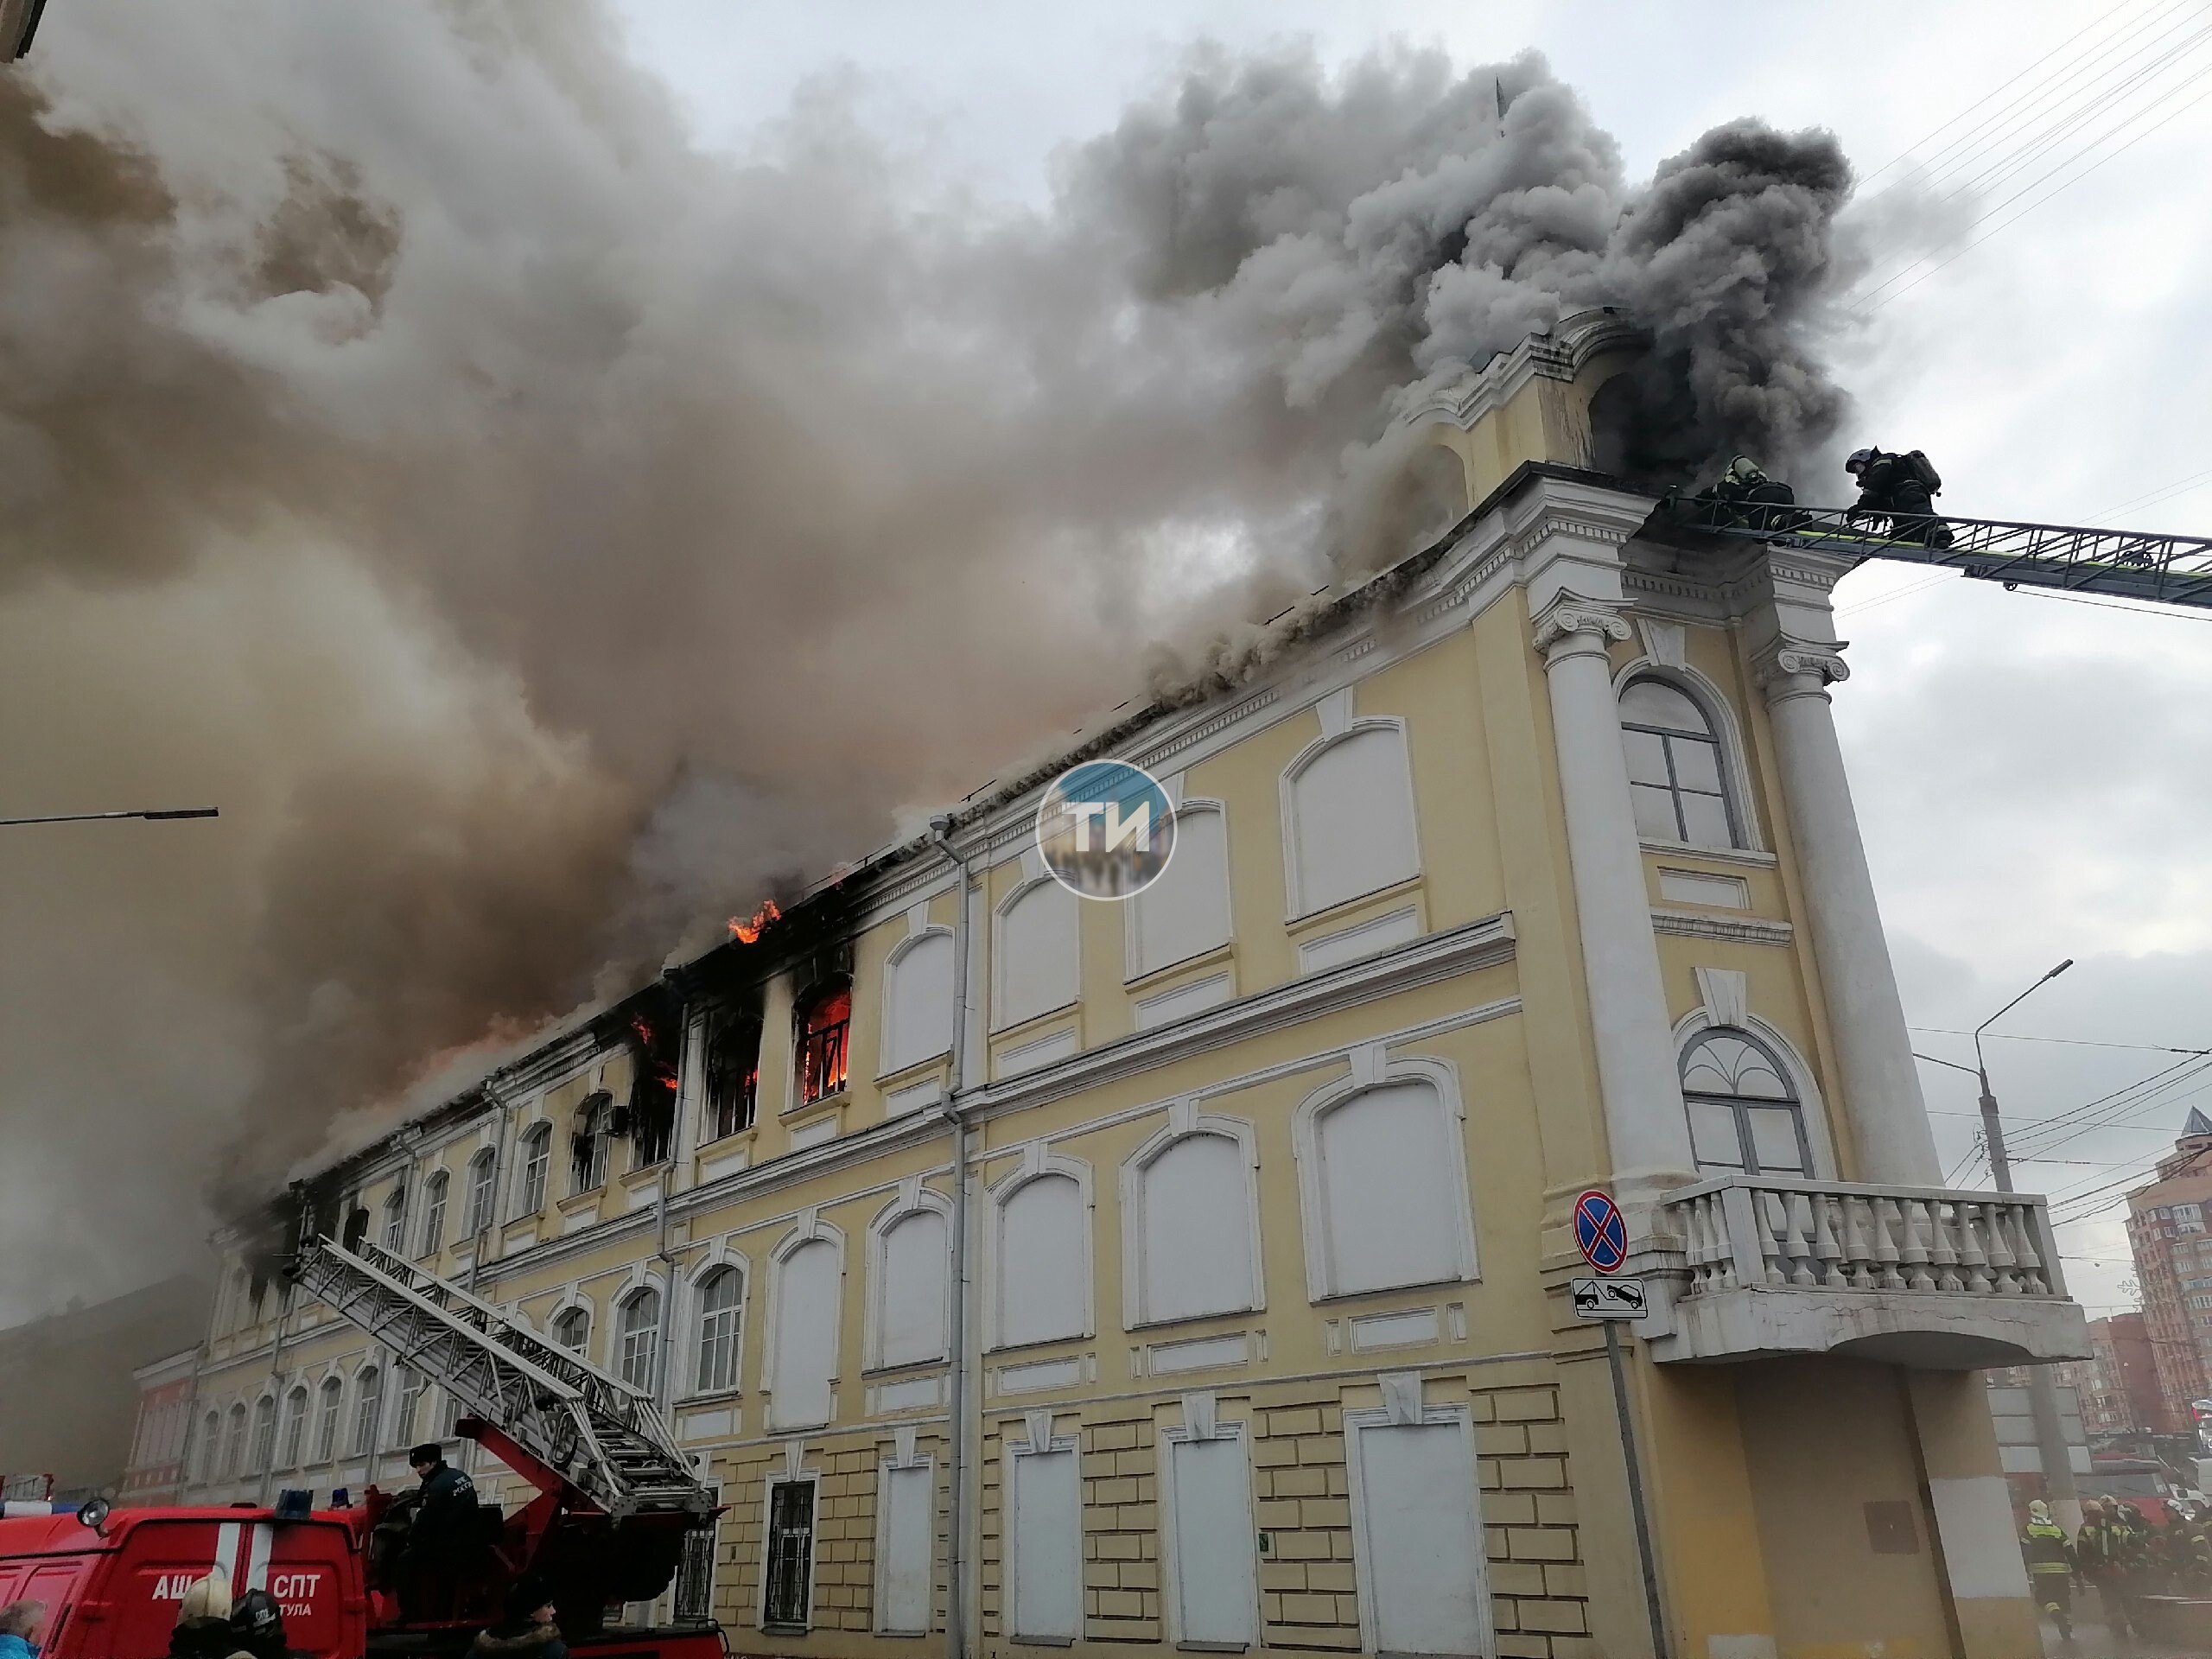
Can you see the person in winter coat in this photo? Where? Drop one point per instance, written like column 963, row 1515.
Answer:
column 2051, row 1566
column 527, row 1630
column 440, row 1537
column 23, row 1624
column 203, row 1622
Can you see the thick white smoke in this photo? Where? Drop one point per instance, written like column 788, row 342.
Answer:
column 539, row 534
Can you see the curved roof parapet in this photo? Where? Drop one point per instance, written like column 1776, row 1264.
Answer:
column 1560, row 352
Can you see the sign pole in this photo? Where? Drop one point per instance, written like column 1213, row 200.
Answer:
column 1636, row 1492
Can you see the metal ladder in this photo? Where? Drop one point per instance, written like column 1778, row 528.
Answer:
column 2120, row 564
column 604, row 1435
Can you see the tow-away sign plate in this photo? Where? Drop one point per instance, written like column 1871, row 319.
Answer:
column 1609, row 1298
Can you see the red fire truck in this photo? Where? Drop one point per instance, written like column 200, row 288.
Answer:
column 617, row 1507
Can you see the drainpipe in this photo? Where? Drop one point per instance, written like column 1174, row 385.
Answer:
column 472, row 1455
column 956, row 1623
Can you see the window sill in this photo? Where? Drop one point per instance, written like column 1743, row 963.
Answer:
column 822, row 1102
column 713, row 1397
column 1717, row 855
column 1021, row 1026
column 912, row 1071
column 729, row 1142
column 1153, row 978
column 1343, row 909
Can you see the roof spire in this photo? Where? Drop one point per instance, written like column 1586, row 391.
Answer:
column 2198, row 1123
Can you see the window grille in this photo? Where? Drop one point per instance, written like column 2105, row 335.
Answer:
column 694, row 1576
column 791, row 1555
column 821, row 1057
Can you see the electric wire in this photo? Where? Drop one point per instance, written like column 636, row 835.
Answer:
column 2073, row 1042
column 2151, row 498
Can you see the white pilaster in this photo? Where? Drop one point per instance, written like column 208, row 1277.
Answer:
column 1881, row 1088
column 1645, row 1122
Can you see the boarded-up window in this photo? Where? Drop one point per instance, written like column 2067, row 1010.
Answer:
column 917, row 1001
column 1186, row 912
column 1418, row 1539
column 1045, row 1543
column 1044, row 1266
column 1392, row 1188
column 804, row 1362
column 1351, row 829
column 1038, row 965
column 905, row 1571
column 1194, row 1216
column 911, row 1300
column 1212, row 1575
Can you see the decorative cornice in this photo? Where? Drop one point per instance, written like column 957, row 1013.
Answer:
column 1733, row 930
column 1557, row 354
column 1571, row 614
column 1787, row 660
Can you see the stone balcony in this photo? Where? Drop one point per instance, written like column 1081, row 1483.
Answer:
column 1922, row 1276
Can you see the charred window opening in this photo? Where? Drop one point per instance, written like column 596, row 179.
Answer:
column 733, row 1072
column 357, row 1227
column 825, row 1021
column 594, row 1123
column 656, row 1057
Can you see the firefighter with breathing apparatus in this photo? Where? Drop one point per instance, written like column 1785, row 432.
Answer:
column 2051, row 1566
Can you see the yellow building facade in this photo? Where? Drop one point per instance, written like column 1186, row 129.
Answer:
column 1193, row 1271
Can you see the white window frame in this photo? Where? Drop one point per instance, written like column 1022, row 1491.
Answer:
column 1297, row 907
column 790, row 1474
column 261, row 1448
column 573, row 1303
column 905, row 1459
column 1727, row 734
column 393, row 1233
column 292, row 1433
column 695, row 1297
column 1033, row 876
column 482, row 1198
column 1371, row 1070
column 436, row 1190
column 913, row 1198
column 533, row 1170
column 1037, row 1161
column 620, row 1338
column 367, row 1437
column 330, row 1421
column 1812, row 1111
column 1186, row 1123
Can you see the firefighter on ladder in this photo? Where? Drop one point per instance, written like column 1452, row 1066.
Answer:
column 2051, row 1566
column 1901, row 489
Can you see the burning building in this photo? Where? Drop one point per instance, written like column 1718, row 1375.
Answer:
column 1195, row 1270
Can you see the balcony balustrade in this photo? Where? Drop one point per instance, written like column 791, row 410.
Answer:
column 1915, row 1275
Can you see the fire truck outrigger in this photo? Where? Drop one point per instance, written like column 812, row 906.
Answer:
column 617, row 1502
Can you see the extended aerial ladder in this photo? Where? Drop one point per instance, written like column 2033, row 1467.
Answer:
column 2116, row 563
column 602, row 1438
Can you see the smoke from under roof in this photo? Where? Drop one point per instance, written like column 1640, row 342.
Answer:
column 539, row 533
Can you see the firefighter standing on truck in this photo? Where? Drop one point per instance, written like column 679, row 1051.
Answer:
column 2051, row 1566
column 440, row 1537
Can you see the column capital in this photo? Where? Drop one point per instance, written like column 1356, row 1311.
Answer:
column 1800, row 668
column 1572, row 625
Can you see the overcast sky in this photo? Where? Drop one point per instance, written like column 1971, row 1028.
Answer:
column 2034, row 777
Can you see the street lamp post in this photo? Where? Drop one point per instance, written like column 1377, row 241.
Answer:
column 2051, row 1449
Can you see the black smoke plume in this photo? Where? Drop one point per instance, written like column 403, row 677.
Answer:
column 540, row 533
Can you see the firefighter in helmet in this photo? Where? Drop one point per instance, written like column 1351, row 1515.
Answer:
column 2051, row 1566
column 1901, row 489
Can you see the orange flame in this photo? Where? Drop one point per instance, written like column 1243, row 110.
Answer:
column 749, row 933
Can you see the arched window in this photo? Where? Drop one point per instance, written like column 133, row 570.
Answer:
column 368, row 1410
column 234, row 1444
column 479, row 1192
column 908, row 1302
column 1674, row 766
column 293, row 1441
column 357, row 1228
column 1039, row 962
column 733, row 1072
column 1744, row 1117
column 587, row 1137
column 434, row 1212
column 1187, row 1229
column 1186, row 912
column 529, row 1178
column 394, row 1234
column 408, row 1407
column 572, row 1330
column 825, row 1027
column 918, row 1000
column 722, row 1305
column 1043, row 1261
column 263, row 1455
column 806, row 1280
column 1384, row 1172
column 637, row 1337
column 329, row 1404
column 211, row 1447
column 1349, row 807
